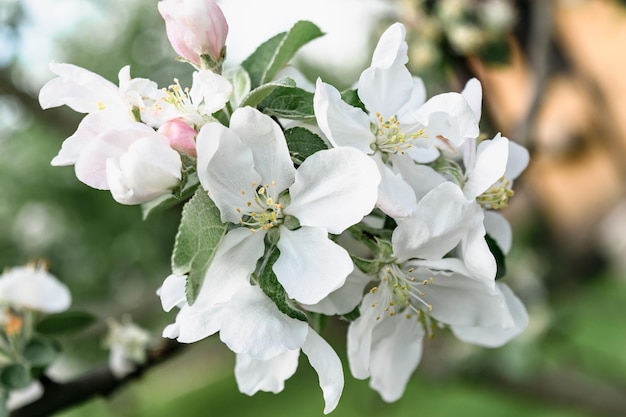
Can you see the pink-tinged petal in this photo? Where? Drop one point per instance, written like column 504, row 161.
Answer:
column 334, row 189
column 385, row 91
column 310, row 265
column 148, row 169
column 491, row 160
column 88, row 130
column 231, row 267
column 342, row 124
column 518, row 161
column 326, row 363
column 194, row 28
column 254, row 326
column 91, row 166
column 396, row 352
column 35, row 289
column 182, row 137
column 499, row 228
column 346, row 298
column 473, row 94
column 172, row 292
column 226, row 169
column 391, row 48
column 268, row 375
column 268, row 144
column 496, row 336
column 395, row 196
column 80, row 89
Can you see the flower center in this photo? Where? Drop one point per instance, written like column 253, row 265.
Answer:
column 390, row 139
column 497, row 196
column 401, row 291
column 263, row 210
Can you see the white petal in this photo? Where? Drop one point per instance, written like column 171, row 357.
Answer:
column 346, row 298
column 80, row 89
column 34, row 288
column 491, row 159
column 518, row 160
column 310, row 265
column 334, row 189
column 231, row 267
column 473, row 94
column 391, row 48
column 421, row 178
column 211, row 89
column 476, row 254
column 449, row 115
column 360, row 335
column 269, row 147
column 342, row 124
column 499, row 228
column 395, row 196
column 396, row 352
column 463, row 301
column 257, row 328
column 326, row 363
column 226, row 170
column 89, row 128
column 439, row 223
column 196, row 322
column 268, row 375
column 172, row 292
column 385, row 91
column 91, row 166
column 496, row 336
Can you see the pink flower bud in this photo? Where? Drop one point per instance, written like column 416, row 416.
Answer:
column 181, row 136
column 195, row 28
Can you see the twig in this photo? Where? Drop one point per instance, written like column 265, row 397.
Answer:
column 99, row 382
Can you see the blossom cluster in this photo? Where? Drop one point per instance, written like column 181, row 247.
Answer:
column 375, row 204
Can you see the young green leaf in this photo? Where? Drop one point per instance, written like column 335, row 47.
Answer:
column 64, row 323
column 199, row 235
column 258, row 94
column 289, row 103
column 15, row 376
column 303, row 143
column 275, row 53
column 164, row 202
column 271, row 287
column 39, row 352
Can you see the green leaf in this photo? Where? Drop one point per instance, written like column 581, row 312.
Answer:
column 162, row 203
column 240, row 79
column 271, row 287
column 39, row 352
column 64, row 323
column 303, row 143
column 275, row 53
column 498, row 254
column 199, row 235
column 15, row 376
column 352, row 98
column 289, row 103
column 258, row 94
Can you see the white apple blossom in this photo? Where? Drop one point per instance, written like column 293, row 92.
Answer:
column 133, row 161
column 248, row 173
column 128, row 345
column 397, row 121
column 34, row 288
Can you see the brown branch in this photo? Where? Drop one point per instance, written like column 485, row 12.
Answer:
column 99, row 382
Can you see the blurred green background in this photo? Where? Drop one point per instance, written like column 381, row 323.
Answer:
column 570, row 362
